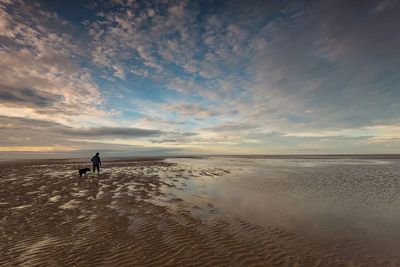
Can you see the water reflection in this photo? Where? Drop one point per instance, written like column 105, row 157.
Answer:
column 355, row 199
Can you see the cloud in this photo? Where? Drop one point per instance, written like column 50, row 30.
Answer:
column 159, row 122
column 163, row 42
column 176, row 137
column 230, row 74
column 111, row 132
column 21, row 134
column 40, row 71
column 192, row 110
column 335, row 65
column 26, row 97
column 232, row 127
column 275, row 68
column 3, row 23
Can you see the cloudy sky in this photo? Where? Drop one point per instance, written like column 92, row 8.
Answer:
column 129, row 77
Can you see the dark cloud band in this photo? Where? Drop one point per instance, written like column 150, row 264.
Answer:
column 111, row 132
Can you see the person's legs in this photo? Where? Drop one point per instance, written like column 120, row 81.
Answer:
column 96, row 167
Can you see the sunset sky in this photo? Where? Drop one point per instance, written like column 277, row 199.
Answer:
column 172, row 77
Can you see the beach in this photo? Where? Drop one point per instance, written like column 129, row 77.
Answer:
column 202, row 211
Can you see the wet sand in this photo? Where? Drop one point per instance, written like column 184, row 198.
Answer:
column 187, row 212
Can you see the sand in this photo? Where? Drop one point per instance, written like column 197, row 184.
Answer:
column 151, row 212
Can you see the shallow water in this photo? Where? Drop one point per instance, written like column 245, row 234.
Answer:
column 324, row 199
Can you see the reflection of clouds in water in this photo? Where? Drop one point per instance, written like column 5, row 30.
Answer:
column 368, row 183
column 345, row 197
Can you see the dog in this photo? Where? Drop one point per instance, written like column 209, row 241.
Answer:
column 83, row 171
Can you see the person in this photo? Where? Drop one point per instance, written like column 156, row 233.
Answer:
column 96, row 163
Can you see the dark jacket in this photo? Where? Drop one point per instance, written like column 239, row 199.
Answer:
column 96, row 160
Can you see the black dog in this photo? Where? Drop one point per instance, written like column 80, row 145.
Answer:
column 83, row 171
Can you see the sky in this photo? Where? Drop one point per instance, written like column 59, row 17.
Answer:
column 180, row 77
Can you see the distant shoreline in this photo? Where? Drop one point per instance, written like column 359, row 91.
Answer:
column 283, row 156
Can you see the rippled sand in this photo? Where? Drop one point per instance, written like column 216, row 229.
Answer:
column 157, row 213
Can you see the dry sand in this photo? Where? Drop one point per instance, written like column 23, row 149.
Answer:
column 131, row 217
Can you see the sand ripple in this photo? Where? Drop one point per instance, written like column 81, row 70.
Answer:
column 127, row 219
